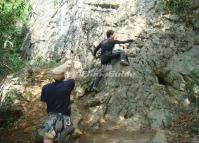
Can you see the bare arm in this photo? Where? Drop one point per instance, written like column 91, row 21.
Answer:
column 73, row 71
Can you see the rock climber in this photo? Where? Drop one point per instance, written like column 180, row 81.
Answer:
column 56, row 95
column 107, row 55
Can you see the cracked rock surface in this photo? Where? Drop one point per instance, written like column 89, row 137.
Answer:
column 164, row 58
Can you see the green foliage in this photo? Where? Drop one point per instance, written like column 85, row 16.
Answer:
column 195, row 23
column 194, row 128
column 43, row 64
column 193, row 92
column 13, row 17
column 16, row 61
column 179, row 7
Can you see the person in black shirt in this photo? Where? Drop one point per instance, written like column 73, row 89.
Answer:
column 56, row 95
column 107, row 55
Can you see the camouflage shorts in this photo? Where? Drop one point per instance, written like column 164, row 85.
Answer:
column 57, row 125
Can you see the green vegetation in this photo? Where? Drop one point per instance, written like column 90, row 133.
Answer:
column 179, row 7
column 193, row 92
column 43, row 64
column 194, row 128
column 13, row 18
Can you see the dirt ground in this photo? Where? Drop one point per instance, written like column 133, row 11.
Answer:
column 34, row 113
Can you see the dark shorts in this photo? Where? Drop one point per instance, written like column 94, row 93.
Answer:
column 57, row 125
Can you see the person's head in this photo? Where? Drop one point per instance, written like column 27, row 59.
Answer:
column 58, row 77
column 111, row 34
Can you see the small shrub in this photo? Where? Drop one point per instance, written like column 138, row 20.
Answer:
column 193, row 92
column 194, row 128
column 45, row 64
column 16, row 61
column 179, row 7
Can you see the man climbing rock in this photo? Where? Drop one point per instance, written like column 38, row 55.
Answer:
column 56, row 95
column 107, row 55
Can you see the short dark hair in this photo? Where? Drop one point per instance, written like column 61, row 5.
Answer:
column 109, row 33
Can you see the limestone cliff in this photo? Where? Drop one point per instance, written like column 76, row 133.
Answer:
column 163, row 58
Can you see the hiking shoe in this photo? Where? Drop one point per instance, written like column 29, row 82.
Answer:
column 124, row 62
column 95, row 89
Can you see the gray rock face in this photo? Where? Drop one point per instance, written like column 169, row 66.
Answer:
column 160, row 137
column 163, row 59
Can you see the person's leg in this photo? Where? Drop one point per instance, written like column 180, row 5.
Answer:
column 105, row 60
column 115, row 55
column 119, row 55
column 65, row 135
column 124, row 58
column 49, row 133
column 98, row 78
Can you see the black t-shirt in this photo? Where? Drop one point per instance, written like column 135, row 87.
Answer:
column 57, row 96
column 107, row 45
